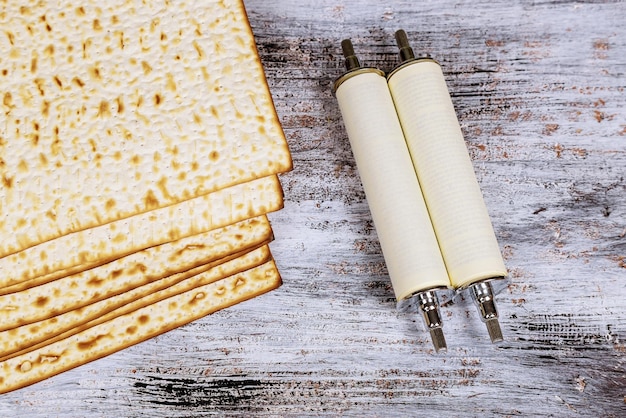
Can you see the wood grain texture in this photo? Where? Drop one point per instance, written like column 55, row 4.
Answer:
column 539, row 90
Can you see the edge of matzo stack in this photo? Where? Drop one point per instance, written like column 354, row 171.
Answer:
column 85, row 249
column 135, row 270
column 32, row 336
column 134, row 327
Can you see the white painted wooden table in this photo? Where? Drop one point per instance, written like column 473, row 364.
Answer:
column 539, row 90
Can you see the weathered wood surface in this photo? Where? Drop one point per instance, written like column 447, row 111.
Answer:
column 539, row 90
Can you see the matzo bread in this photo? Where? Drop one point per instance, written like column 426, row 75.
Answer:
column 132, row 328
column 142, row 267
column 110, row 110
column 76, row 252
column 29, row 337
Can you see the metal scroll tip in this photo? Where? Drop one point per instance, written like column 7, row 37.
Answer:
column 352, row 61
column 482, row 293
column 438, row 339
column 494, row 330
column 406, row 52
column 429, row 305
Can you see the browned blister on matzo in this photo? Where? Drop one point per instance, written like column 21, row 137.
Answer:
column 32, row 336
column 134, row 327
column 111, row 109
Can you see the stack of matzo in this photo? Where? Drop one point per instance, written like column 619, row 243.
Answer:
column 139, row 148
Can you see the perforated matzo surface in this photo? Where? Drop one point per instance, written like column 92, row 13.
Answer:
column 110, row 110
